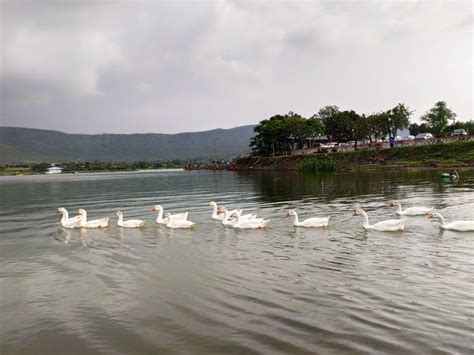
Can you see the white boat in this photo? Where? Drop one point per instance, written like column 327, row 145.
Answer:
column 54, row 170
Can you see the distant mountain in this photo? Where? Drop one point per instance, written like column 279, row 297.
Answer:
column 28, row 145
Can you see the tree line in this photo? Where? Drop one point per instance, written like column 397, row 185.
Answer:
column 281, row 134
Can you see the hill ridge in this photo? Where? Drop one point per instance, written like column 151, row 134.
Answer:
column 19, row 144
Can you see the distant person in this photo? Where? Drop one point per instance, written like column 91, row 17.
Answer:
column 392, row 142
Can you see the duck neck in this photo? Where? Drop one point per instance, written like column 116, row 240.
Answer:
column 365, row 222
column 442, row 222
column 159, row 217
column 83, row 220
column 214, row 210
column 120, row 219
column 65, row 216
column 296, row 219
column 399, row 208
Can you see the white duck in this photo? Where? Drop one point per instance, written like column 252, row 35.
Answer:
column 67, row 222
column 251, row 223
column 460, row 226
column 309, row 222
column 161, row 220
column 388, row 225
column 410, row 211
column 179, row 223
column 96, row 223
column 131, row 223
column 218, row 213
column 230, row 220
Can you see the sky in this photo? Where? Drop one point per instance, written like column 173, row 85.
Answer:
column 174, row 66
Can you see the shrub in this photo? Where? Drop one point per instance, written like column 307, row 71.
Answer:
column 314, row 165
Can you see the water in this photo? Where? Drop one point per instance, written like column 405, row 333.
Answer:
column 217, row 290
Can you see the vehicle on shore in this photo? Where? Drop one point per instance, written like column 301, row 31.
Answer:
column 459, row 132
column 424, row 136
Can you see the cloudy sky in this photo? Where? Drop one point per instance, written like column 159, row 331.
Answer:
column 158, row 66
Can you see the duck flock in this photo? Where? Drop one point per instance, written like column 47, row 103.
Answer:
column 236, row 219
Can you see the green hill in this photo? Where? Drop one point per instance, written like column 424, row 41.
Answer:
column 28, row 145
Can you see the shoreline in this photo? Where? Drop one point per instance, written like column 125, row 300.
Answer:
column 33, row 173
column 447, row 155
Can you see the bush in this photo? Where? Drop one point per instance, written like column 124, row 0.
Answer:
column 314, row 165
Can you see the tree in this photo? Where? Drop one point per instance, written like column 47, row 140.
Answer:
column 326, row 114
column 395, row 119
column 362, row 130
column 282, row 133
column 295, row 126
column 313, row 126
column 340, row 126
column 438, row 116
column 376, row 123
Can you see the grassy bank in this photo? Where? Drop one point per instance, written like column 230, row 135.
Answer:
column 459, row 154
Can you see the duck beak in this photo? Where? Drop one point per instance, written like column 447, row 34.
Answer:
column 153, row 209
column 354, row 213
column 429, row 215
column 286, row 215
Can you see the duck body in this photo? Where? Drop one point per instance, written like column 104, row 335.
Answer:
column 389, row 225
column 459, row 226
column 230, row 217
column 67, row 222
column 251, row 223
column 180, row 223
column 95, row 223
column 410, row 211
column 161, row 220
column 131, row 223
column 313, row 222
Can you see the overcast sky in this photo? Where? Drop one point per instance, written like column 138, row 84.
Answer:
column 153, row 66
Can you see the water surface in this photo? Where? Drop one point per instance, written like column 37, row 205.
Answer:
column 218, row 290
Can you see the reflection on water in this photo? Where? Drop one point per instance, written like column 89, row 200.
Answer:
column 218, row 290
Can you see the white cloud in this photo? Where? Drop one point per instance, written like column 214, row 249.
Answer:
column 144, row 87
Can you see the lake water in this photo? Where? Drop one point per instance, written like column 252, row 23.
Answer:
column 218, row 290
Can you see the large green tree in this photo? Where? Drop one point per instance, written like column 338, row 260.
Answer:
column 326, row 114
column 376, row 123
column 395, row 119
column 362, row 130
column 438, row 117
column 282, row 133
column 340, row 126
